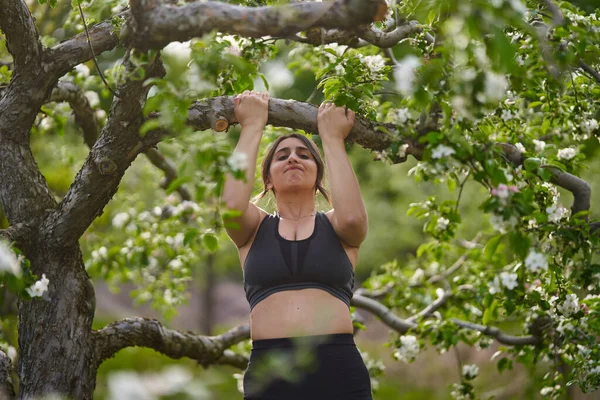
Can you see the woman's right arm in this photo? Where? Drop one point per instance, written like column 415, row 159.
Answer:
column 251, row 111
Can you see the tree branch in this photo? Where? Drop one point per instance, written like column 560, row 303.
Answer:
column 581, row 190
column 157, row 24
column 402, row 326
column 384, row 313
column 66, row 55
column 143, row 332
column 217, row 113
column 22, row 39
column 496, row 333
column 590, row 70
column 83, row 112
column 111, row 155
column 7, row 391
column 389, row 39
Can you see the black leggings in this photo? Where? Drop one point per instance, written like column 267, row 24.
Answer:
column 327, row 367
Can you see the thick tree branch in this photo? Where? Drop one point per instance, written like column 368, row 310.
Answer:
column 63, row 57
column 115, row 150
column 22, row 39
column 359, row 37
column 157, row 24
column 7, row 391
column 217, row 113
column 590, row 70
column 85, row 118
column 143, row 332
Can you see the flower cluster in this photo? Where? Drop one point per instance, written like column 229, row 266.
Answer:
column 408, row 350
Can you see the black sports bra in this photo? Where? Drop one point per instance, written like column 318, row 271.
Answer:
column 275, row 264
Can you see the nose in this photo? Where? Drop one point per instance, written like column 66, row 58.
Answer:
column 293, row 157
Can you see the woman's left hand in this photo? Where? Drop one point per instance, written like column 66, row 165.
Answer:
column 334, row 122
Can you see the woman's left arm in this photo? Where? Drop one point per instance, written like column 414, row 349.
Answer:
column 349, row 215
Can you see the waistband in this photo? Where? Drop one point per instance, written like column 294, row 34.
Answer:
column 301, row 341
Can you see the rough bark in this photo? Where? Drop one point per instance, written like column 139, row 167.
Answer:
column 7, row 391
column 55, row 331
column 22, row 39
column 217, row 113
column 150, row 333
column 111, row 155
column 158, row 24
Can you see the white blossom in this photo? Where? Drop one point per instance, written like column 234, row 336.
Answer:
column 470, row 371
column 567, row 154
column 442, row 223
column 374, row 64
column 9, row 261
column 82, row 70
column 539, row 145
column 404, row 74
column 495, row 87
column 409, row 348
column 238, row 161
column 92, row 98
column 547, row 390
column 509, row 280
column 588, row 126
column 536, row 262
column 157, row 211
column 176, row 264
column 39, row 287
column 520, row 147
column 11, row 352
column 507, row 115
column 240, row 382
column 556, row 212
column 178, row 50
column 569, row 306
column 401, row 116
column 442, row 151
column 502, row 225
column 120, row 220
column 417, row 277
column 494, row 286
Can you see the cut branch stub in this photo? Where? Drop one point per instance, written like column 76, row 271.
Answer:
column 157, row 24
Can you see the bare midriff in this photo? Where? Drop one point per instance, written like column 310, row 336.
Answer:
column 301, row 312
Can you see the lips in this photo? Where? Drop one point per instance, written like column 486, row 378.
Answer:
column 293, row 168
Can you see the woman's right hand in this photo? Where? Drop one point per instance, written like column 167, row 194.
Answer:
column 251, row 108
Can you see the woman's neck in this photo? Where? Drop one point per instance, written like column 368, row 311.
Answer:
column 297, row 207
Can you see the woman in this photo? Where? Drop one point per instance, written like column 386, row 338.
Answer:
column 299, row 263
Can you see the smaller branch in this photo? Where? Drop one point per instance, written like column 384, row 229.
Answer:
column 581, row 190
column 375, row 294
column 7, row 392
column 384, row 313
column 498, row 334
column 590, row 70
column 433, row 307
column 19, row 233
column 159, row 161
column 83, row 112
column 389, row 39
column 557, row 17
column 149, row 333
column 233, row 359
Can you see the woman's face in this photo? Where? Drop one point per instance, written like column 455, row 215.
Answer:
column 293, row 167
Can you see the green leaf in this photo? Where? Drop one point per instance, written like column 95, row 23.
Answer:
column 488, row 314
column 211, row 242
column 532, row 163
column 491, row 247
column 177, row 183
column 189, row 236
